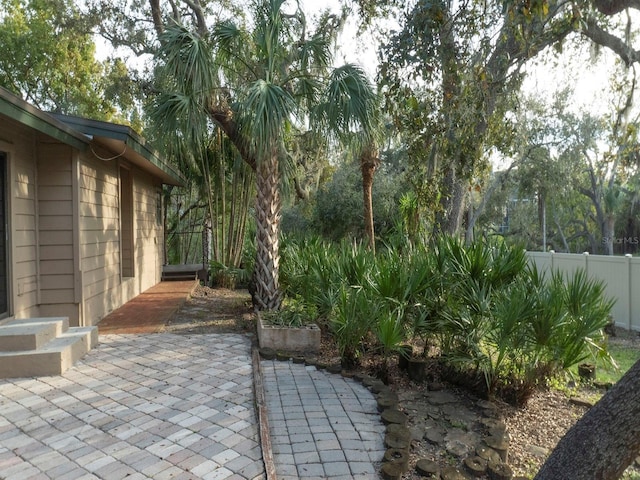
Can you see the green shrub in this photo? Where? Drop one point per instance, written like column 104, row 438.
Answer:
column 496, row 321
column 350, row 322
column 294, row 312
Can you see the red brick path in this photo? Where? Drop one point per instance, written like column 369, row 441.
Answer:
column 149, row 311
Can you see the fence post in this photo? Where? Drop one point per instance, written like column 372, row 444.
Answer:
column 586, row 263
column 628, row 256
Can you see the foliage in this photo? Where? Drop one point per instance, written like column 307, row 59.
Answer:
column 502, row 325
column 351, row 321
column 623, row 356
column 310, row 270
column 295, row 313
column 450, row 75
column 522, row 331
column 338, row 205
column 48, row 59
column 224, row 276
column 569, row 183
column 257, row 82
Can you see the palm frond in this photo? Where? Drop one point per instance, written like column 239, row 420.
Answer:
column 351, row 106
column 315, row 53
column 188, row 59
column 228, row 38
column 308, row 88
column 265, row 111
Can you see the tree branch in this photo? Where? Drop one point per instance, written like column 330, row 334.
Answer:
column 611, row 7
column 196, row 7
column 156, row 14
column 596, row 34
column 224, row 119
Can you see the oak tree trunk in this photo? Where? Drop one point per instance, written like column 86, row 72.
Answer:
column 449, row 217
column 604, row 442
column 608, row 234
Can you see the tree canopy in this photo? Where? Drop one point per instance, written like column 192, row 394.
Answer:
column 49, row 59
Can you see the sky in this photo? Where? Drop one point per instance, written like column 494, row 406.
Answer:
column 573, row 68
column 354, row 48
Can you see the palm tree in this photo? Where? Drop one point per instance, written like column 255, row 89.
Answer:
column 254, row 86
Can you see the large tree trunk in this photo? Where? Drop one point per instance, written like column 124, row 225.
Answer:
column 368, row 163
column 449, row 219
column 608, row 234
column 456, row 207
column 268, row 205
column 604, row 442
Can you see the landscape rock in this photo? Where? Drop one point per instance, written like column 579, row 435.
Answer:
column 427, row 468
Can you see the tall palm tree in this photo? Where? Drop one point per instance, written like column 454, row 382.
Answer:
column 254, row 85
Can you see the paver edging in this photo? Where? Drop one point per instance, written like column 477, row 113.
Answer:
column 366, row 380
column 389, row 469
column 263, row 420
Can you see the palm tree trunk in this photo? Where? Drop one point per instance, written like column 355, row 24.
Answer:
column 268, row 205
column 368, row 163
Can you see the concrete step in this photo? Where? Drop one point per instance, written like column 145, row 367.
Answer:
column 52, row 358
column 169, row 276
column 31, row 333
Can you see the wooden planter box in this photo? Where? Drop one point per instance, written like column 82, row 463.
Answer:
column 304, row 339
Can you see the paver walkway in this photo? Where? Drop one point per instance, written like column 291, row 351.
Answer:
column 139, row 406
column 322, row 425
column 167, row 406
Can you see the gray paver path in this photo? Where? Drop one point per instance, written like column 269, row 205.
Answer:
column 139, row 406
column 322, row 425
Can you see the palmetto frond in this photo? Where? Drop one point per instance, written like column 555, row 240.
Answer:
column 263, row 115
column 315, row 54
column 351, row 108
column 233, row 50
column 182, row 126
column 180, row 113
column 188, row 58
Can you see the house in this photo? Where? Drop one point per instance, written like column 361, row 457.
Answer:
column 81, row 222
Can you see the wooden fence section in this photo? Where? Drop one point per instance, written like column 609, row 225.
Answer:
column 621, row 277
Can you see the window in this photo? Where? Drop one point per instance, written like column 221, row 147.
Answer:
column 126, row 224
column 159, row 206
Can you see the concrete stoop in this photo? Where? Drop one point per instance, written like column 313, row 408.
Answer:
column 42, row 346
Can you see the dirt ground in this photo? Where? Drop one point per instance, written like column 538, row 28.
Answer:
column 534, row 429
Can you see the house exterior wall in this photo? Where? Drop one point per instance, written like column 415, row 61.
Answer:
column 65, row 223
column 104, row 286
column 99, row 221
column 20, row 144
column 148, row 231
column 57, row 252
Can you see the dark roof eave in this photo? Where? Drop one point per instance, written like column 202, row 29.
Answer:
column 141, row 156
column 25, row 113
column 105, row 133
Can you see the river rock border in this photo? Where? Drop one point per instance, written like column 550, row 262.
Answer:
column 467, row 441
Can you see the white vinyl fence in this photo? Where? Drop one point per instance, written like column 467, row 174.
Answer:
column 620, row 275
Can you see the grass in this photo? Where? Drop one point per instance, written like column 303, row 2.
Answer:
column 625, row 357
